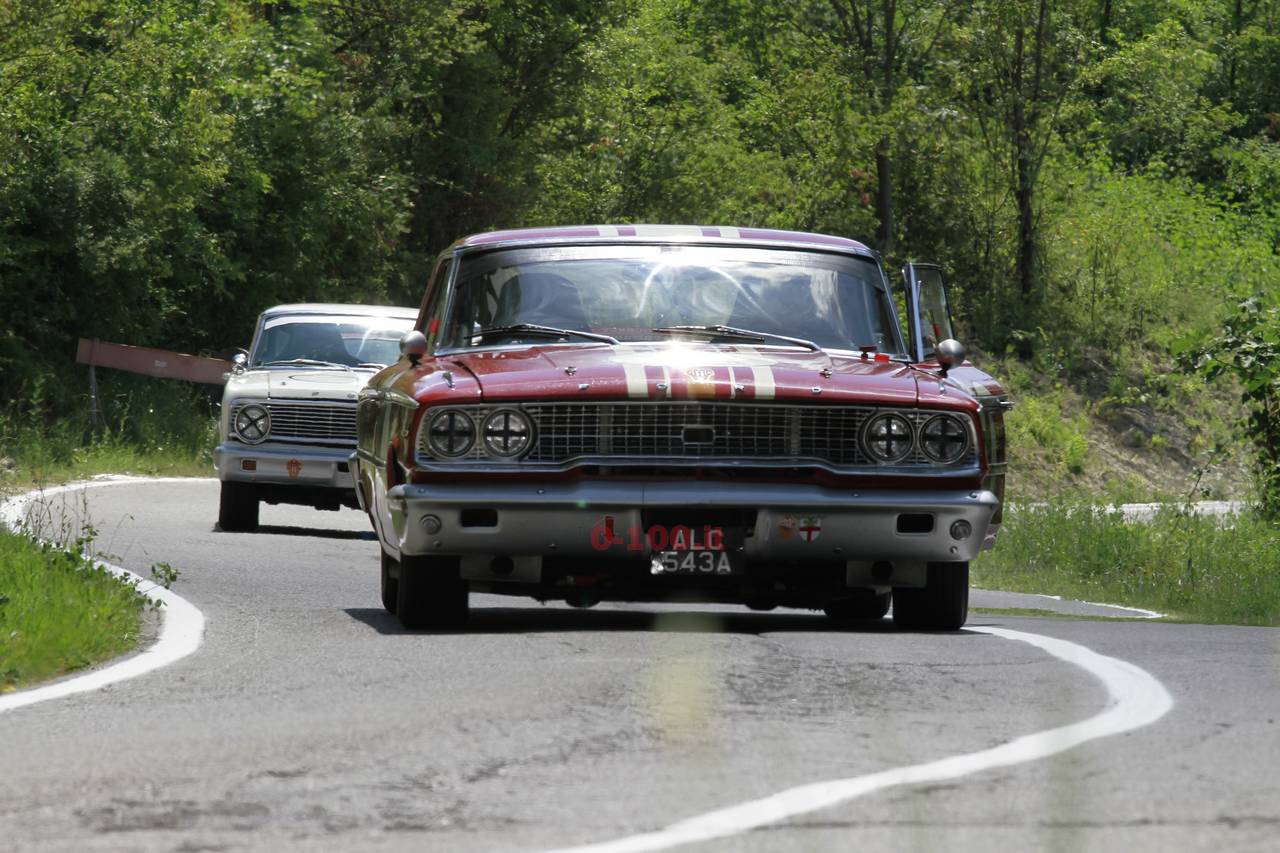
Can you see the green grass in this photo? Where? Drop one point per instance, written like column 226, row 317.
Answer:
column 58, row 612
column 146, row 427
column 1195, row 569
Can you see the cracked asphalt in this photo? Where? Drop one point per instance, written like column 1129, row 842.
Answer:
column 309, row 721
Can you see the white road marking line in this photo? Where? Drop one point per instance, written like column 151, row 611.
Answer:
column 1137, row 699
column 181, row 629
column 1140, row 613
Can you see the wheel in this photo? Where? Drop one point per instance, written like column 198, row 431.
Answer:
column 429, row 593
column 862, row 604
column 390, row 584
column 238, row 507
column 942, row 604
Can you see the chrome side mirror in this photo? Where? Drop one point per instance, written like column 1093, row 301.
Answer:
column 239, row 363
column 413, row 346
column 950, row 353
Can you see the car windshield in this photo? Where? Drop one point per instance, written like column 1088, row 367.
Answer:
column 321, row 340
column 639, row 293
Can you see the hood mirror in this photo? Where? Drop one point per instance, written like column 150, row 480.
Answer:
column 413, row 346
column 950, row 353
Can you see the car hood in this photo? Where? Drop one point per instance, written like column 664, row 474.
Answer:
column 681, row 371
column 294, row 384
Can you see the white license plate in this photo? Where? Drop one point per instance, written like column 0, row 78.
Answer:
column 692, row 563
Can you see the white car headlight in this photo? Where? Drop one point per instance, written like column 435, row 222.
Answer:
column 944, row 438
column 507, row 433
column 887, row 438
column 252, row 423
column 450, row 433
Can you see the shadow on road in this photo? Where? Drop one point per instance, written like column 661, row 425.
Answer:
column 319, row 533
column 532, row 620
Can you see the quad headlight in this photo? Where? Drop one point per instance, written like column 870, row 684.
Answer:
column 252, row 423
column 506, row 433
column 475, row 434
column 944, row 439
column 888, row 438
column 450, row 433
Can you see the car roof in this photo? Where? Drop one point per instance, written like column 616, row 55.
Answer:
column 345, row 310
column 699, row 234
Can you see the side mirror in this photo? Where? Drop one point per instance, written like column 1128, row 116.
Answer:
column 413, row 346
column 950, row 353
column 239, row 362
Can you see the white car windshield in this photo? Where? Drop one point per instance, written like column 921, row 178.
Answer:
column 649, row 293
column 324, row 340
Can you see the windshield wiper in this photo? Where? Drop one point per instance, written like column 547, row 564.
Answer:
column 735, row 333
column 545, row 331
column 307, row 361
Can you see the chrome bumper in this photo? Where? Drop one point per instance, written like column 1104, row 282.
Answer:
column 316, row 466
column 791, row 521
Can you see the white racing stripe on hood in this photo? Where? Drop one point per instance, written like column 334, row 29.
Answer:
column 765, row 389
column 637, row 386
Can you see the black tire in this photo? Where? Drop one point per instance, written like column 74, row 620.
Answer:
column 430, row 594
column 390, row 583
column 942, row 604
column 238, row 507
column 863, row 604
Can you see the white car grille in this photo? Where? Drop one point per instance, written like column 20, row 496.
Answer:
column 311, row 423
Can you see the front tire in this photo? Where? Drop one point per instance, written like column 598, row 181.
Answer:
column 238, row 507
column 430, row 593
column 942, row 604
column 390, row 583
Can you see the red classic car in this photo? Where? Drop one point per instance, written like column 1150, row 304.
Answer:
column 645, row 413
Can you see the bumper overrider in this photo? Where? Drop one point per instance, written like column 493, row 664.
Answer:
column 284, row 464
column 600, row 519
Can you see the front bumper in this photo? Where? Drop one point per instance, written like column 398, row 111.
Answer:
column 792, row 522
column 284, row 464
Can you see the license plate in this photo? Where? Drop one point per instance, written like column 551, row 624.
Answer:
column 692, row 563
column 694, row 551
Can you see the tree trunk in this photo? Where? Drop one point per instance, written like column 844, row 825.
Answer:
column 884, row 197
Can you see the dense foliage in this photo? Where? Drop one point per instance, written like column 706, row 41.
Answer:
column 1100, row 176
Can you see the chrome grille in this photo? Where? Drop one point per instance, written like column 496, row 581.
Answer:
column 745, row 431
column 311, row 423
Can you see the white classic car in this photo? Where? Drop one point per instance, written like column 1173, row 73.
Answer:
column 288, row 419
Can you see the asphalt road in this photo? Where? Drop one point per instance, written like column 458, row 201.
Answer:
column 308, row 720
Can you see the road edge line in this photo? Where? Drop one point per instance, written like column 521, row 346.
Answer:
column 181, row 624
column 1135, row 699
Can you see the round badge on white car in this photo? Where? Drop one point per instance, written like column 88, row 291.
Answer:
column 253, row 423
column 507, row 433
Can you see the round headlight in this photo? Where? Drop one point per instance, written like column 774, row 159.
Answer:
column 887, row 438
column 450, row 433
column 252, row 423
column 944, row 439
column 507, row 433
